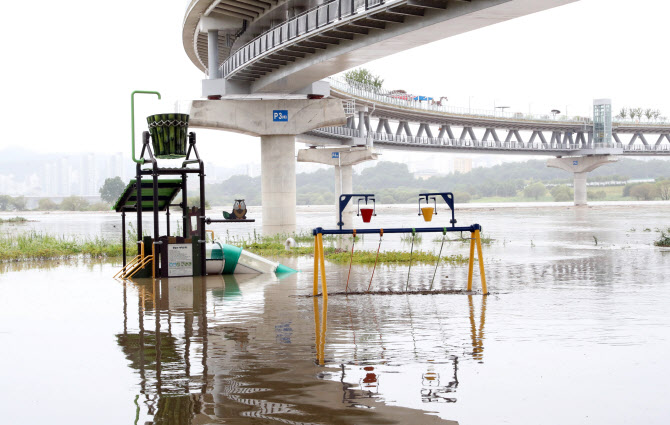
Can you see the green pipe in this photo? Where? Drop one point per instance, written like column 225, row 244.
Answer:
column 132, row 118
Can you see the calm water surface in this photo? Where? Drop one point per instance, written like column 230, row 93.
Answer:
column 573, row 333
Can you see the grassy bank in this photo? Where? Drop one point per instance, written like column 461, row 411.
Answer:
column 273, row 247
column 13, row 220
column 42, row 246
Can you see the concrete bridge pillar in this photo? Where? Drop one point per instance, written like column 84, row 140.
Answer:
column 278, row 184
column 343, row 159
column 277, row 122
column 580, row 167
column 344, row 184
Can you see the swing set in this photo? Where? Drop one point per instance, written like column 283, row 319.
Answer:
column 427, row 212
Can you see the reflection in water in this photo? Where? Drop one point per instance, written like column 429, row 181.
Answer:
column 202, row 355
column 477, row 335
column 162, row 359
column 320, row 327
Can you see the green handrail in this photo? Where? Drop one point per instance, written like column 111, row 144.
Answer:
column 132, row 118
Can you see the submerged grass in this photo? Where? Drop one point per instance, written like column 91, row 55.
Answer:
column 398, row 257
column 485, row 239
column 42, row 246
column 664, row 240
column 13, row 220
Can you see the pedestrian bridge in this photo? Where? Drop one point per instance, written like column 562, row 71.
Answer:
column 402, row 121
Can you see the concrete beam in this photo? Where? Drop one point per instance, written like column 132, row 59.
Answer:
column 580, row 166
column 347, row 155
column 346, row 158
column 256, row 116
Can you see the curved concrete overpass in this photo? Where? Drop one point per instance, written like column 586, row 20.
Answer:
column 282, row 46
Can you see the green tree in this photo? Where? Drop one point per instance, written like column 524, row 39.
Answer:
column 562, row 193
column 535, row 190
column 597, row 195
column 363, row 76
column 18, row 203
column 461, row 197
column 46, row 204
column 74, row 203
column 663, row 189
column 649, row 113
column 112, row 189
column 644, row 191
column 5, row 202
column 623, row 113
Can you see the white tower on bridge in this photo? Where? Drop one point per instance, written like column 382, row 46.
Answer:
column 602, row 122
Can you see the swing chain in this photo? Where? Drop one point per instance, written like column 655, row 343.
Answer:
column 411, row 251
column 381, row 234
column 444, row 235
column 351, row 259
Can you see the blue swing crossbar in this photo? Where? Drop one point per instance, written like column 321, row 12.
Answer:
column 322, row 231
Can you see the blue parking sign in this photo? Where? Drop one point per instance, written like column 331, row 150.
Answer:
column 575, row 162
column 336, row 155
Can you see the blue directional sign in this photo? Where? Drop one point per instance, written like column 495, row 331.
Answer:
column 336, row 155
column 575, row 162
column 279, row 115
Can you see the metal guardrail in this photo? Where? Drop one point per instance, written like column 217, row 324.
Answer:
column 409, row 100
column 308, row 21
column 346, row 132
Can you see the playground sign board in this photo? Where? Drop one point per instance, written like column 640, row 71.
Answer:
column 180, row 260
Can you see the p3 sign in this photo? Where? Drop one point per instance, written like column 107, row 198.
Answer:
column 279, row 115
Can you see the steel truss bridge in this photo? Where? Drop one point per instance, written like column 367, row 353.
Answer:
column 403, row 123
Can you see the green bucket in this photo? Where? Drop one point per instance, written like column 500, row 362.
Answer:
column 169, row 135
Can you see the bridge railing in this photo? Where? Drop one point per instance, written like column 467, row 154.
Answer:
column 308, row 21
column 414, row 101
column 447, row 142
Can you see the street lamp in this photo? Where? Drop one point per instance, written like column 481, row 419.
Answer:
column 502, row 108
column 555, row 112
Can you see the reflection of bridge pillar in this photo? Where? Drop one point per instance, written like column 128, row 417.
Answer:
column 343, row 158
column 277, row 121
column 580, row 166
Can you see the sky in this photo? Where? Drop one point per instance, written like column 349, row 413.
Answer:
column 70, row 66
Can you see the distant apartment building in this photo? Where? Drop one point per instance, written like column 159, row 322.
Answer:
column 462, row 165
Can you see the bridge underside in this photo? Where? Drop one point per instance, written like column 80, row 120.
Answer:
column 301, row 51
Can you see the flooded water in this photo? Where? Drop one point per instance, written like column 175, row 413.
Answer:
column 576, row 331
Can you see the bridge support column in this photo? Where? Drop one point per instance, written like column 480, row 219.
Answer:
column 213, row 53
column 343, row 159
column 580, row 166
column 344, row 184
column 278, row 184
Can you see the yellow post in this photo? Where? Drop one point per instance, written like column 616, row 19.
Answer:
column 317, row 329
column 480, row 257
column 316, row 265
column 471, row 264
column 324, row 285
column 324, row 325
